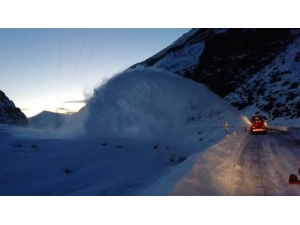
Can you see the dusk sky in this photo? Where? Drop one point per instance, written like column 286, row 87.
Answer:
column 45, row 69
column 46, row 65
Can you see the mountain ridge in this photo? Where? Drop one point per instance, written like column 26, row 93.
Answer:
column 228, row 61
column 9, row 113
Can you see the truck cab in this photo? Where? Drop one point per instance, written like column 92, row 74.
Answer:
column 258, row 124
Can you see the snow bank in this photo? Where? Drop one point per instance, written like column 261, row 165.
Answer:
column 209, row 173
column 213, row 173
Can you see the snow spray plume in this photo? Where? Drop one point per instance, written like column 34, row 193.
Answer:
column 151, row 104
column 87, row 95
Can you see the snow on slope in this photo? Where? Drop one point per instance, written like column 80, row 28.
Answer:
column 47, row 120
column 182, row 40
column 9, row 113
column 183, row 59
column 276, row 86
column 178, row 42
column 175, row 58
column 206, row 173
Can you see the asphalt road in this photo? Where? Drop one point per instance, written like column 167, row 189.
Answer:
column 266, row 161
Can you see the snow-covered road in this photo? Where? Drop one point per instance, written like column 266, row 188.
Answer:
column 245, row 164
column 266, row 162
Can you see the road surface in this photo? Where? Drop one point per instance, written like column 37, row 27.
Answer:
column 266, row 162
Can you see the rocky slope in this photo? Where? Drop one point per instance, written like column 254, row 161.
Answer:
column 9, row 113
column 253, row 69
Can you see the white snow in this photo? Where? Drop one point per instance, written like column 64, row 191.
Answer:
column 179, row 41
column 46, row 120
column 286, row 68
column 144, row 132
column 179, row 60
column 183, row 59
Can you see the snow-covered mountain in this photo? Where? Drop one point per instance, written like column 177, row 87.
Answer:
column 47, row 120
column 9, row 113
column 253, row 69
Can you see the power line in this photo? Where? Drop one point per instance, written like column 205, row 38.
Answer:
column 89, row 59
column 59, row 63
column 58, row 74
column 78, row 60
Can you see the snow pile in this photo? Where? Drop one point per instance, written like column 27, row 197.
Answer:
column 211, row 173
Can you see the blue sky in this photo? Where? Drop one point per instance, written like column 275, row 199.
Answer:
column 43, row 68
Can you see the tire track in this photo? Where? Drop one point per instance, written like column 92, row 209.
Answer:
column 285, row 161
column 251, row 176
column 266, row 162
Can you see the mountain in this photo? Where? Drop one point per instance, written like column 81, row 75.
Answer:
column 252, row 69
column 47, row 119
column 9, row 113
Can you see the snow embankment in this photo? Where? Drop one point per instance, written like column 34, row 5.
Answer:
column 204, row 174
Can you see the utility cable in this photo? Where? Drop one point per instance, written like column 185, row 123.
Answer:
column 61, row 36
column 78, row 59
column 89, row 58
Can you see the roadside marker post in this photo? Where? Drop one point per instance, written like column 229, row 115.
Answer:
column 225, row 127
